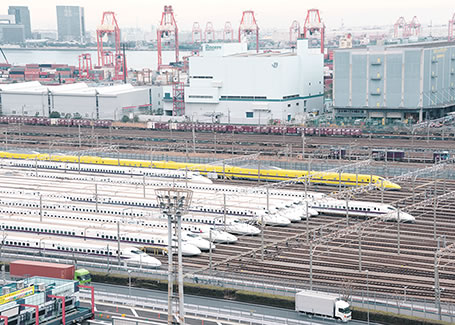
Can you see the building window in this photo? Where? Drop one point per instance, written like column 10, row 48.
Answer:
column 200, row 96
column 289, row 117
column 296, row 104
column 249, row 114
column 304, row 103
column 289, row 105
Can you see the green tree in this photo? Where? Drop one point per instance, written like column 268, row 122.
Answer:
column 54, row 114
column 125, row 119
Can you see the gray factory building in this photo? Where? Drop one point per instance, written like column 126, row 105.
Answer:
column 407, row 82
column 22, row 15
column 71, row 23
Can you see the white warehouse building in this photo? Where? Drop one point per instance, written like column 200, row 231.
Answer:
column 228, row 84
column 76, row 100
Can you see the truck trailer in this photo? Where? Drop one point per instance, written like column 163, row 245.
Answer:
column 323, row 304
column 23, row 268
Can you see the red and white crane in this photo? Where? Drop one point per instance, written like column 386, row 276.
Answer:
column 109, row 29
column 228, row 32
column 413, row 28
column 452, row 28
column 400, row 28
column 167, row 27
column 294, row 32
column 248, row 26
column 85, row 66
column 209, row 33
column 196, row 33
column 313, row 25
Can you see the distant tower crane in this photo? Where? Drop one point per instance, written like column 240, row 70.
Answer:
column 399, row 28
column 313, row 24
column 197, row 32
column 109, row 29
column 413, row 28
column 452, row 28
column 209, row 33
column 167, row 26
column 85, row 66
column 249, row 26
column 228, row 32
column 294, row 32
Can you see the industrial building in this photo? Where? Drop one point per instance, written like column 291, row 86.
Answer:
column 405, row 83
column 22, row 15
column 228, row 84
column 39, row 300
column 76, row 100
column 71, row 24
column 10, row 31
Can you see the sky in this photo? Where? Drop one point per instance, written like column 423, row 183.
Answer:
column 277, row 14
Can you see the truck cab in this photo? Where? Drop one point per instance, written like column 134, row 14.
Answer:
column 343, row 311
column 83, row 276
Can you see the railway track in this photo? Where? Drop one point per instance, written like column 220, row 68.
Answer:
column 222, row 143
column 391, row 267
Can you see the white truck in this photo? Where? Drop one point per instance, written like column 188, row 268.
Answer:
column 323, row 304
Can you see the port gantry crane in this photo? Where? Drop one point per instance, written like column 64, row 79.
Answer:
column 248, row 26
column 109, row 28
column 167, row 27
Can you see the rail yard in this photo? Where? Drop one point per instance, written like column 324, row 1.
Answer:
column 415, row 148
column 336, row 241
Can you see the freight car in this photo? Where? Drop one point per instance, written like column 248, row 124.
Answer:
column 184, row 127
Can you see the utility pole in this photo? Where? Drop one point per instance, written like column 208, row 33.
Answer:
column 398, row 228
column 118, row 242
column 210, row 251
column 143, row 184
column 96, row 197
column 41, row 208
column 194, row 140
column 434, row 217
column 224, row 211
column 360, row 251
column 262, row 224
column 311, row 265
column 347, row 210
column 303, row 144
column 174, row 203
column 437, row 290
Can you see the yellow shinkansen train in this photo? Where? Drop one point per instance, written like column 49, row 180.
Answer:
column 231, row 172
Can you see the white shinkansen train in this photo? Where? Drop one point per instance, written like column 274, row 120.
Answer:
column 128, row 253
column 232, row 225
column 361, row 209
column 191, row 224
column 75, row 230
column 107, row 169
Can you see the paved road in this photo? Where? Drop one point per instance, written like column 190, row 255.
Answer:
column 233, row 306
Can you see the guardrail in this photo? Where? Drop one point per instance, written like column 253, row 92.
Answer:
column 399, row 304
column 209, row 313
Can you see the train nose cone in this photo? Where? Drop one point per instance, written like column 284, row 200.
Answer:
column 190, row 250
column 152, row 261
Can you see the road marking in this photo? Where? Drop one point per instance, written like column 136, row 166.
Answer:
column 134, row 312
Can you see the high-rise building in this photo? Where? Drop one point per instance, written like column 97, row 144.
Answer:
column 10, row 32
column 71, row 23
column 22, row 15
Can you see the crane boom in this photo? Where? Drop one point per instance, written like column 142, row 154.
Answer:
column 3, row 53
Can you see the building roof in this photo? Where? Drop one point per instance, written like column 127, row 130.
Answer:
column 265, row 54
column 398, row 47
column 435, row 44
column 76, row 89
